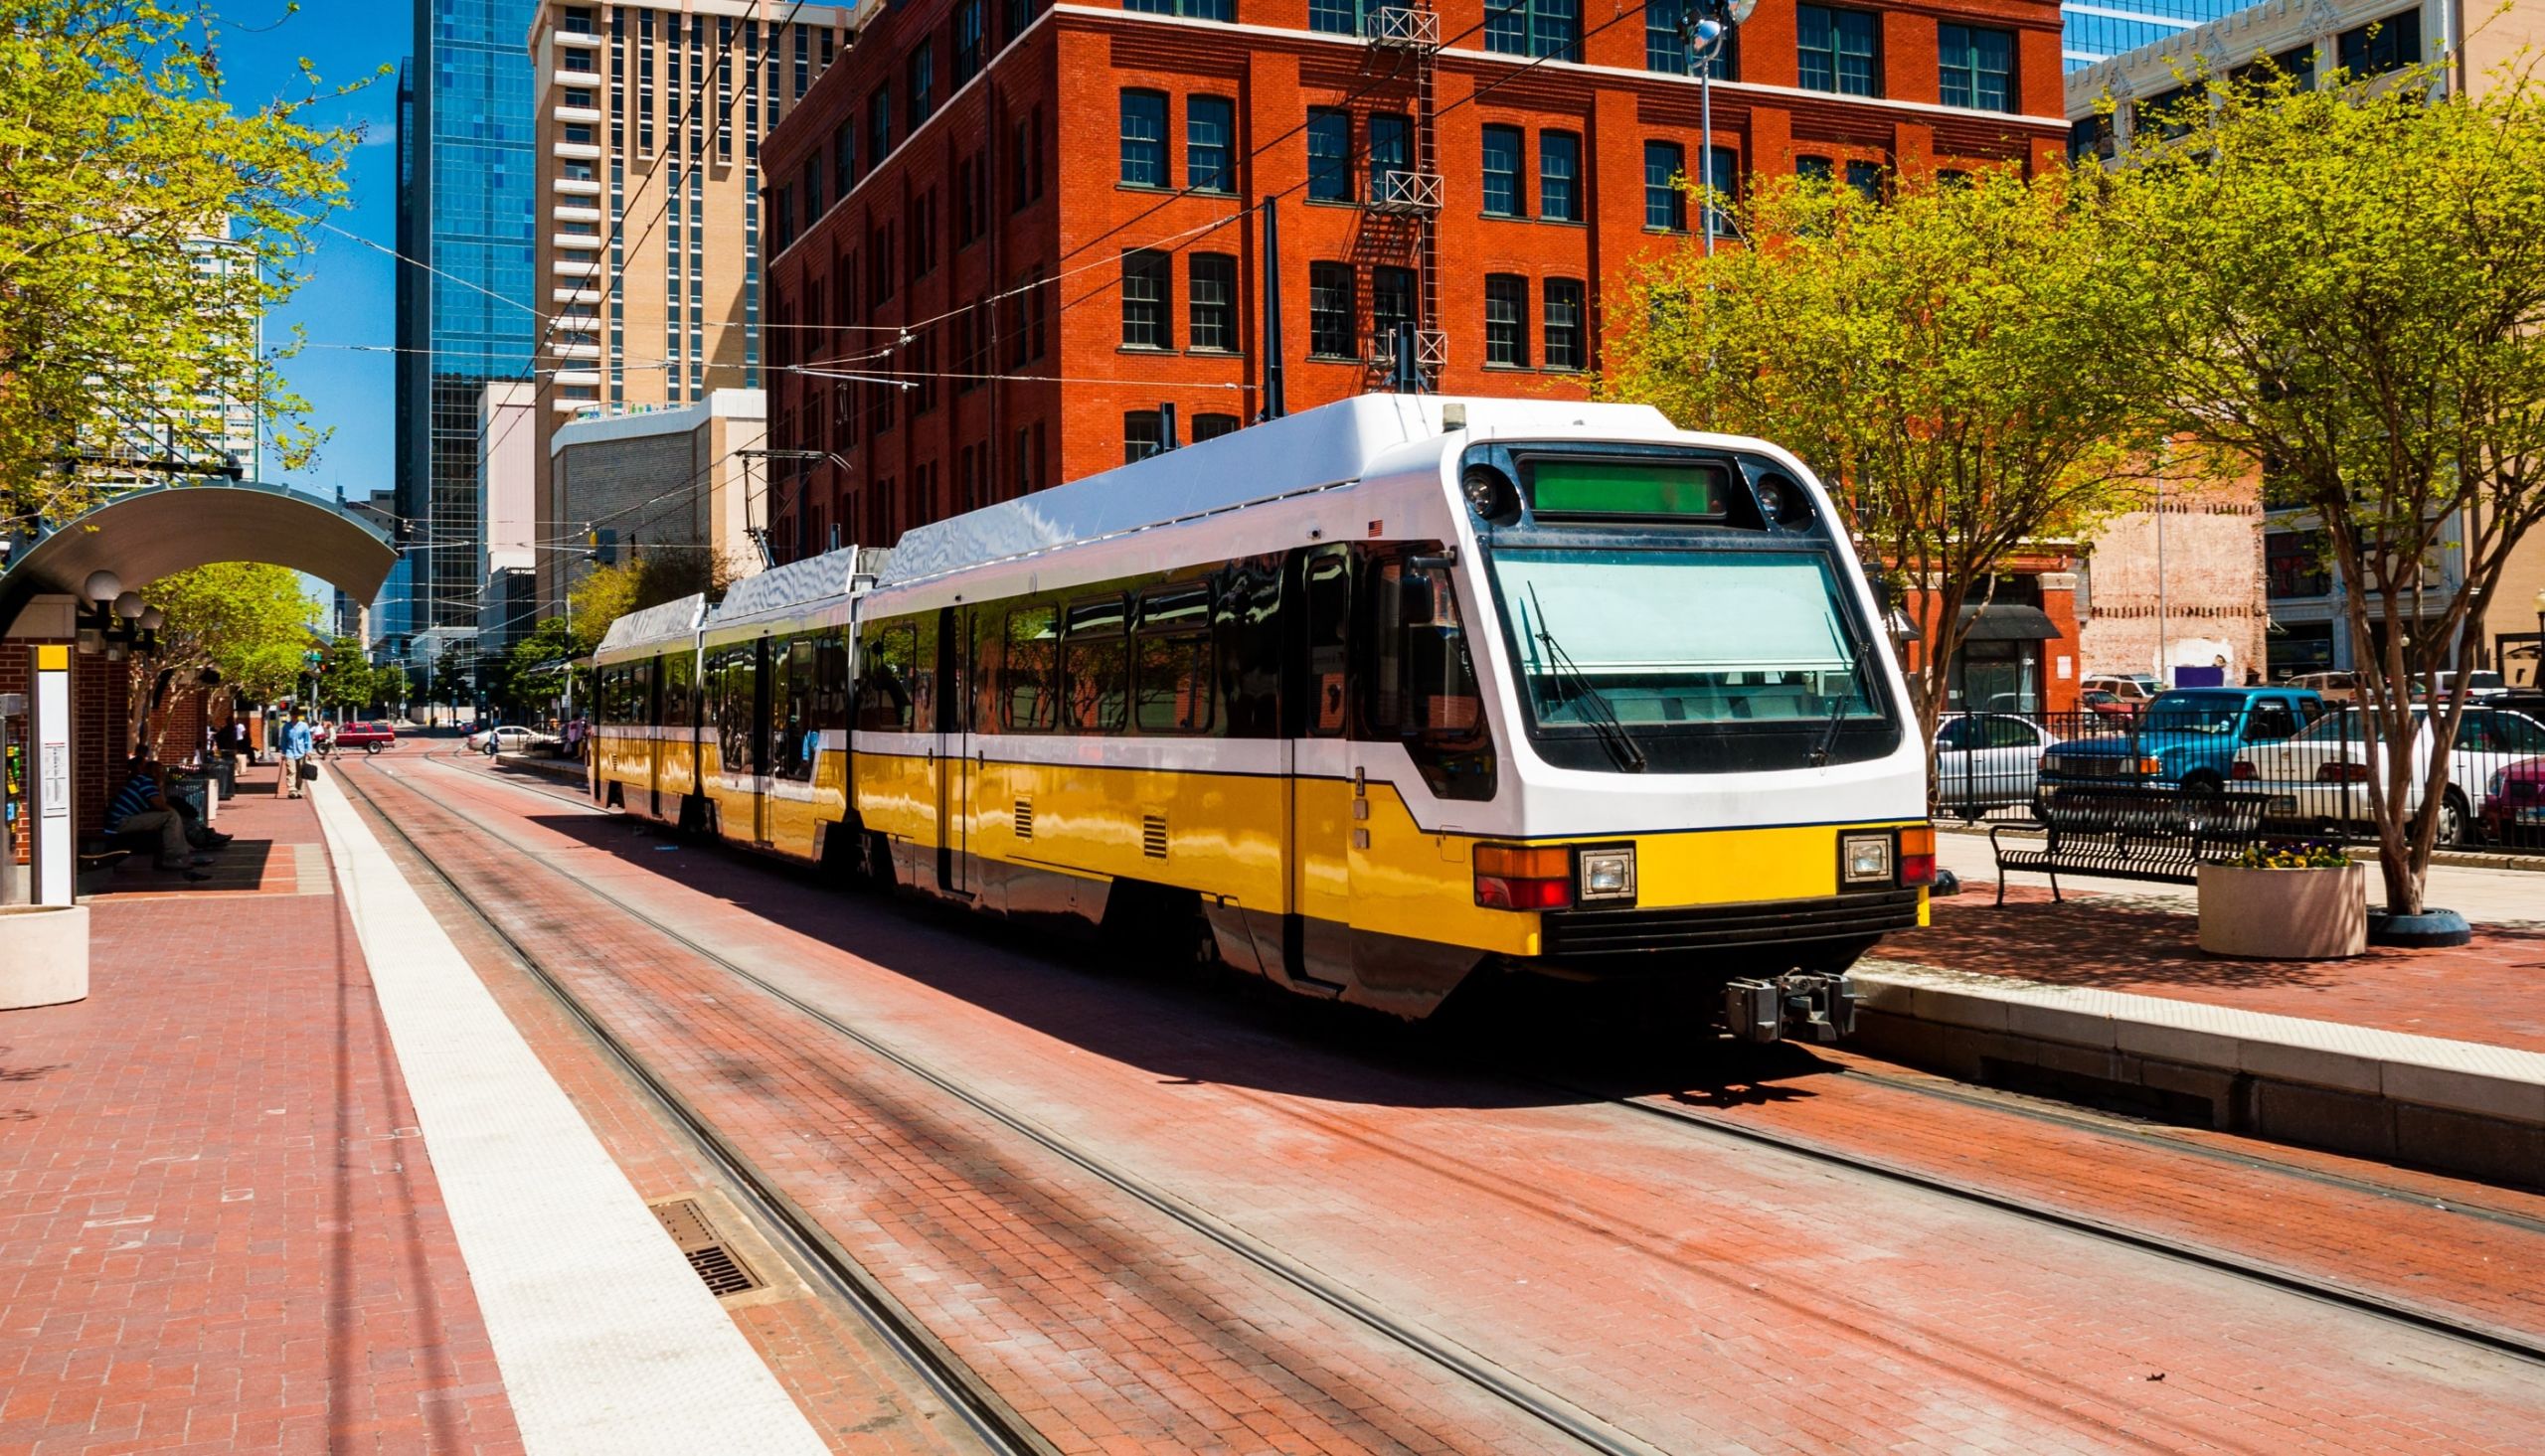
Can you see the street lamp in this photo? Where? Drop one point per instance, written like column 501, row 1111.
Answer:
column 1704, row 26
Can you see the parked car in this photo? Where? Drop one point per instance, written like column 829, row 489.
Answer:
column 2132, row 690
column 1987, row 761
column 371, row 737
column 2322, row 775
column 2514, row 803
column 2331, row 686
column 2187, row 739
column 2104, row 703
column 2478, row 685
column 477, row 734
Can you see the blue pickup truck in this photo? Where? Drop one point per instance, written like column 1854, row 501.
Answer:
column 2188, row 738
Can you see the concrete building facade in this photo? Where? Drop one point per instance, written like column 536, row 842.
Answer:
column 649, row 118
column 1008, row 240
column 684, row 479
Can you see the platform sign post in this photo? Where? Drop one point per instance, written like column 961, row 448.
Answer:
column 56, row 848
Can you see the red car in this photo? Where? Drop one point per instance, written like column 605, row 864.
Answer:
column 371, row 737
column 2514, row 804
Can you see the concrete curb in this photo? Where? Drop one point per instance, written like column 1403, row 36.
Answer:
column 2459, row 1106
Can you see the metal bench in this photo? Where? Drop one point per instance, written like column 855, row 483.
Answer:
column 2127, row 833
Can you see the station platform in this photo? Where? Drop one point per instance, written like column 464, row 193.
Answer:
column 265, row 1193
column 2435, row 1057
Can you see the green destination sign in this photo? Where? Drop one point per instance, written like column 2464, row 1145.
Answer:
column 1628, row 488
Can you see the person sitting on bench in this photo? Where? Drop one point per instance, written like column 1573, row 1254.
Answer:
column 142, row 807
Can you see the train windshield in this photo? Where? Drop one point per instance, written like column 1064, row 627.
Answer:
column 1616, row 642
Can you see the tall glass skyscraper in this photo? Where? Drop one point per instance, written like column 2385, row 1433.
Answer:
column 466, row 207
column 2092, row 32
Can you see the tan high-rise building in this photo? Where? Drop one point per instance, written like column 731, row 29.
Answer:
column 649, row 117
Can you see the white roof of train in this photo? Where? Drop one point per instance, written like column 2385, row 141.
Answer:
column 786, row 592
column 1312, row 450
column 651, row 627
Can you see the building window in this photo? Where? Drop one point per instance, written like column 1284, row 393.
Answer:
column 967, row 42
column 1865, row 180
column 1025, row 162
column 1838, row 51
column 1330, row 310
column 1724, row 178
column 1665, row 206
column 1193, row 9
column 1020, row 17
column 1390, row 305
column 1502, row 196
column 1212, row 323
column 1391, row 153
column 1816, row 171
column 1546, row 28
column 1507, row 320
column 1212, row 427
column 1558, row 176
column 844, row 156
column 1329, row 155
column 1144, row 140
column 1210, row 138
column 922, row 86
column 2381, row 46
column 1335, row 17
column 1149, row 293
column 1977, row 68
column 1143, row 435
column 2296, row 64
column 1564, row 323
column 2091, row 137
column 879, row 125
column 1665, row 50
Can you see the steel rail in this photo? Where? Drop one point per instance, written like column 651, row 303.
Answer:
column 1553, row 1411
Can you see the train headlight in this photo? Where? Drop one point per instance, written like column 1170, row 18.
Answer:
column 1608, row 875
column 1865, row 859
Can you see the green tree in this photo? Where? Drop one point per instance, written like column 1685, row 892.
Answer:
column 1939, row 358
column 2352, row 290
column 534, row 673
column 345, row 678
column 250, row 621
column 608, row 592
column 145, row 226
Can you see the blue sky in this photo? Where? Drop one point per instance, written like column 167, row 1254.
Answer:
column 350, row 297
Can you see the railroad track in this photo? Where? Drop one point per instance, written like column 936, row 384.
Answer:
column 2357, row 1300
column 989, row 1414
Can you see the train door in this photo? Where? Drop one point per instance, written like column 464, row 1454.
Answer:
column 1316, row 939
column 649, row 711
column 766, row 667
column 955, row 654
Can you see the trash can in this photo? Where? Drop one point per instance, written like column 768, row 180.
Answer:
column 226, row 769
column 191, row 791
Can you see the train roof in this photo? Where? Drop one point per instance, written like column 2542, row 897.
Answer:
column 1310, row 450
column 652, row 627
column 783, row 593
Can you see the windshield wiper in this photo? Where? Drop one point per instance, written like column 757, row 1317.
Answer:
column 1829, row 735
column 1613, row 737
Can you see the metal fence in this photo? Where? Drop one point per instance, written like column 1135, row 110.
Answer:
column 2315, row 774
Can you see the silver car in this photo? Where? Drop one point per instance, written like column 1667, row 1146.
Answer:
column 1987, row 760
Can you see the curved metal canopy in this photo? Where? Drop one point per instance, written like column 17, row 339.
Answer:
column 148, row 531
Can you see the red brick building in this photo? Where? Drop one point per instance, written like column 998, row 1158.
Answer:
column 1003, row 236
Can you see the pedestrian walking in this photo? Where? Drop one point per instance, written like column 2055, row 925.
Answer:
column 296, row 746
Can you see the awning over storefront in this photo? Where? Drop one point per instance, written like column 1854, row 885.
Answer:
column 148, row 531
column 2005, row 622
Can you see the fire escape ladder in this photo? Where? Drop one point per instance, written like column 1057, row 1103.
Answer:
column 1413, row 30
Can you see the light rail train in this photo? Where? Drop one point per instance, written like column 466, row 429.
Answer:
column 1371, row 701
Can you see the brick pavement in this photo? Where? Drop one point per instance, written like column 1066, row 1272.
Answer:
column 1702, row 1294
column 217, row 1232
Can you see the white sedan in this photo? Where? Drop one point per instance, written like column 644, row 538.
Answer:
column 1987, row 760
column 509, row 739
column 2322, row 774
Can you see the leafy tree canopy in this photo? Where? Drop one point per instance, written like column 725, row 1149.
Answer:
column 146, row 224
column 251, row 621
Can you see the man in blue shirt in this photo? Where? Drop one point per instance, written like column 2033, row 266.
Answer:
column 142, row 806
column 296, row 747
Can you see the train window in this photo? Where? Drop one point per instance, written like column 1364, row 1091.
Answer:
column 1096, row 668
column 884, row 681
column 830, row 683
column 1176, row 606
column 1329, row 593
column 737, row 684
column 676, row 672
column 1174, row 683
column 798, row 741
column 640, row 701
column 1419, row 685
column 1032, row 664
column 1250, row 629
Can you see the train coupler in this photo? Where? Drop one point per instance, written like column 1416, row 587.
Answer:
column 1808, row 1005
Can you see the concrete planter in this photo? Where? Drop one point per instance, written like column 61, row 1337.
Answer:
column 44, row 955
column 2284, row 915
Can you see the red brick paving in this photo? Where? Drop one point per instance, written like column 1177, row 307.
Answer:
column 217, row 1230
column 1702, row 1294
column 2473, row 993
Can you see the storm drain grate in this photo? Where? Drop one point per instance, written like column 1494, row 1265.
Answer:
column 1153, row 836
column 718, row 1266
column 1025, row 819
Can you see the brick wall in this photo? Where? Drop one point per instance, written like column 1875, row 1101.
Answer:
column 2211, row 604
column 1053, row 97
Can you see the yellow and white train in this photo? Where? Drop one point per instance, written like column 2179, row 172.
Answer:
column 1369, row 700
